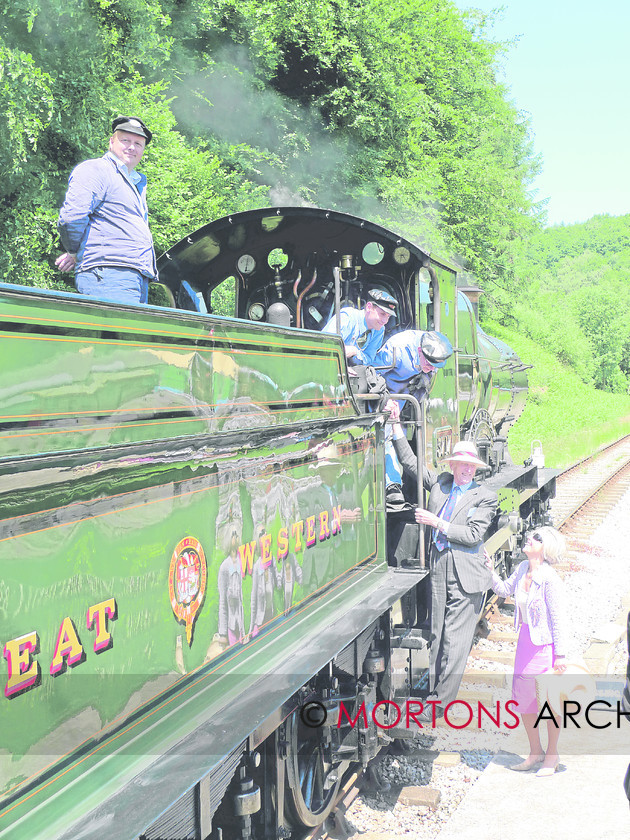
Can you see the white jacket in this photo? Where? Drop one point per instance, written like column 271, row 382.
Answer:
column 546, row 612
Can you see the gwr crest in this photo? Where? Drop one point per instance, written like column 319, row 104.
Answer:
column 187, row 579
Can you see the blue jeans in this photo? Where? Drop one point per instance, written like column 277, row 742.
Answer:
column 121, row 285
column 393, row 470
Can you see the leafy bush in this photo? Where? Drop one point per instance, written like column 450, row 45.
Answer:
column 571, row 419
column 390, row 111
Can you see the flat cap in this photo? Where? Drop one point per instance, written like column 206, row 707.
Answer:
column 133, row 125
column 383, row 300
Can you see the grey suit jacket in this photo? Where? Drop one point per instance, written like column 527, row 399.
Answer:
column 471, row 519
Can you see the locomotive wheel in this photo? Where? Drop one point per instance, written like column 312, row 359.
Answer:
column 481, row 430
column 313, row 782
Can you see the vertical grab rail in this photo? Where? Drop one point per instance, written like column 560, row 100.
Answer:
column 421, row 443
column 420, row 427
column 337, row 277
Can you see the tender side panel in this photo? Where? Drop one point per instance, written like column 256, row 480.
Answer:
column 82, row 374
column 134, row 570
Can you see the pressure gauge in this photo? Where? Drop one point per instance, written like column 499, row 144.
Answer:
column 246, row 264
column 256, row 311
column 401, row 255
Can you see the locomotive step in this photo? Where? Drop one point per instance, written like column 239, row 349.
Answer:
column 410, row 639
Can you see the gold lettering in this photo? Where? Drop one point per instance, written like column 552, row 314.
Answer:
column 298, row 532
column 324, row 530
column 23, row 671
column 68, row 646
column 99, row 613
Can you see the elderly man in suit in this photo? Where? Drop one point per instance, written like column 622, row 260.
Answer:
column 459, row 514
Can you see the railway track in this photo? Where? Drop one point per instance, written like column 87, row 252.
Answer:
column 588, row 479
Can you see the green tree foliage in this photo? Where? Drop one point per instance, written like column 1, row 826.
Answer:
column 570, row 418
column 26, row 102
column 576, row 298
column 389, row 110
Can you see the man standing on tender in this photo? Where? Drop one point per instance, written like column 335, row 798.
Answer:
column 103, row 221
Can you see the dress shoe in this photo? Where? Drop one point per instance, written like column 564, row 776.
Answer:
column 526, row 766
column 426, row 716
column 544, row 772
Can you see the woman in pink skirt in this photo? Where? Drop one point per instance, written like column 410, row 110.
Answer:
column 540, row 614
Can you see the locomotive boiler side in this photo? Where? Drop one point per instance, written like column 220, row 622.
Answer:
column 492, row 386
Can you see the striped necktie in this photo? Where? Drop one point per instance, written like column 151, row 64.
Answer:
column 447, row 511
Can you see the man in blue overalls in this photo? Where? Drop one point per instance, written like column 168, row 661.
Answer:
column 408, row 361
column 363, row 330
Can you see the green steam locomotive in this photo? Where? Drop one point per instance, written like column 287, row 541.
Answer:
column 194, row 552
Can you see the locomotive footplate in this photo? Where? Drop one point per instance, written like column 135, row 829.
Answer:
column 524, row 493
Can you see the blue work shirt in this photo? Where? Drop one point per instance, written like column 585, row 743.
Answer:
column 399, row 356
column 103, row 219
column 353, row 328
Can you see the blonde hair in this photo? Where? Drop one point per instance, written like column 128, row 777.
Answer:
column 554, row 544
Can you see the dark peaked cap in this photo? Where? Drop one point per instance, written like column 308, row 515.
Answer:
column 383, row 300
column 133, row 125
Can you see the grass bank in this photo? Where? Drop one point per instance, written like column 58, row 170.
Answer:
column 570, row 418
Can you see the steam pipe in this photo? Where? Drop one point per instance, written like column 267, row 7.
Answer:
column 337, row 276
column 298, row 310
column 297, row 283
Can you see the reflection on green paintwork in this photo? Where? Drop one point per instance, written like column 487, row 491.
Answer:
column 102, row 378
column 185, row 498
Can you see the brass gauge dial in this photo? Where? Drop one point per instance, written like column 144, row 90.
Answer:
column 246, row 264
column 256, row 312
column 401, row 255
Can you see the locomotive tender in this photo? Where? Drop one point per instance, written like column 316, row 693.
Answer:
column 194, row 535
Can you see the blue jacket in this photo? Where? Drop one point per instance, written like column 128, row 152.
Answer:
column 400, row 356
column 103, row 219
column 352, row 326
column 545, row 604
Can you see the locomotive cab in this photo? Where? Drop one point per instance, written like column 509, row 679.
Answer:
column 295, row 267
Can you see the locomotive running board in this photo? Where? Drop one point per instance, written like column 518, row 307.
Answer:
column 336, row 619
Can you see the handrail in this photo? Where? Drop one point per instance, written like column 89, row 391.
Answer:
column 419, row 425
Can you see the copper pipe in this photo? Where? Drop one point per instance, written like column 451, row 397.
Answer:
column 297, row 283
column 298, row 312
